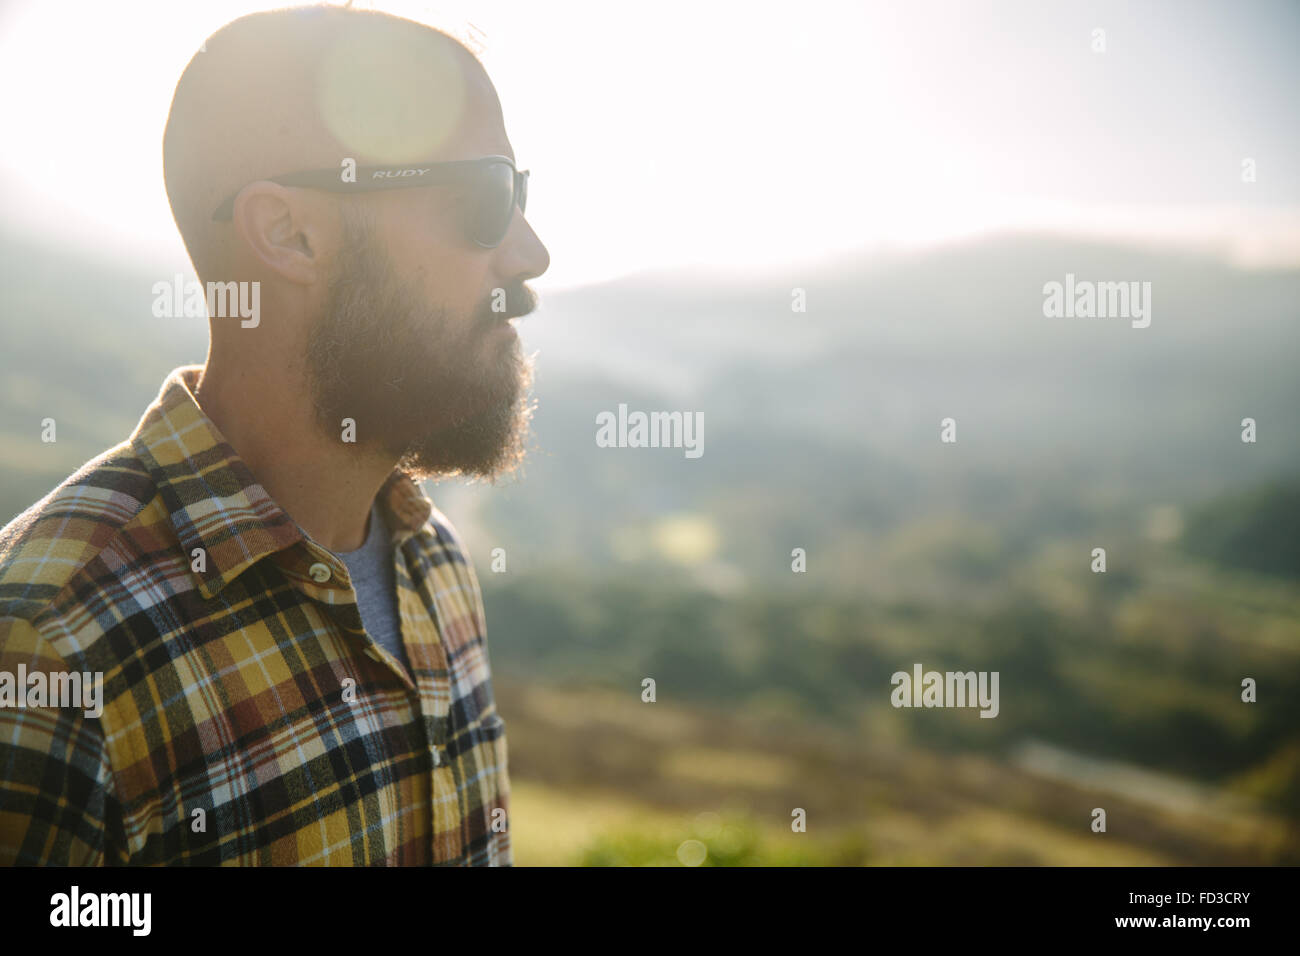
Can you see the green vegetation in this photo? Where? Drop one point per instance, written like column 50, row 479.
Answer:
column 734, row 840
column 1258, row 530
column 1152, row 677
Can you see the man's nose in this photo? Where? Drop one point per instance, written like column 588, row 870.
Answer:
column 523, row 255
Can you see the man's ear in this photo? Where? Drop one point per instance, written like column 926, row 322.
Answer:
column 281, row 228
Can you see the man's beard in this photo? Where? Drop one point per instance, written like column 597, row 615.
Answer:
column 423, row 385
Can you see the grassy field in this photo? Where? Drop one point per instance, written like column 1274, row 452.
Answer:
column 600, row 778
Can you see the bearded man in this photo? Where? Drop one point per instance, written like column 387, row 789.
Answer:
column 290, row 636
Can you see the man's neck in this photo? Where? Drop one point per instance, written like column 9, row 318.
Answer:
column 323, row 483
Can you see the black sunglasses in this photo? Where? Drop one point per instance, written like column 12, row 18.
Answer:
column 496, row 187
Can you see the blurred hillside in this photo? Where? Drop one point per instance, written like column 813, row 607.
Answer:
column 821, row 432
column 823, row 426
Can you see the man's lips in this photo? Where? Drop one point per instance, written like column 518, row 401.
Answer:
column 495, row 320
column 502, row 321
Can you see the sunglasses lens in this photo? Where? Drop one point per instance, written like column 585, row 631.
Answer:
column 495, row 204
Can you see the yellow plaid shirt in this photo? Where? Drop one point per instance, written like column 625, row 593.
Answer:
column 247, row 717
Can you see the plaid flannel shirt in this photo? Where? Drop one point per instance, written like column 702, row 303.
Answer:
column 237, row 677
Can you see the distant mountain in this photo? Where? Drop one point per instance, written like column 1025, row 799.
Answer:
column 825, row 423
column 819, row 426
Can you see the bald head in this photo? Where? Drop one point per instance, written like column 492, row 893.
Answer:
column 304, row 88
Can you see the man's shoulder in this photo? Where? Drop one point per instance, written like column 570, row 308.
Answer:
column 452, row 557
column 448, row 537
column 47, row 546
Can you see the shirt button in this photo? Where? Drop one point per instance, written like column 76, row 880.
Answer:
column 437, row 758
column 320, row 573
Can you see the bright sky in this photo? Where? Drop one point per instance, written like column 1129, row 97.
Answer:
column 717, row 134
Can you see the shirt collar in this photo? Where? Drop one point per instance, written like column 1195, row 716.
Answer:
column 214, row 501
